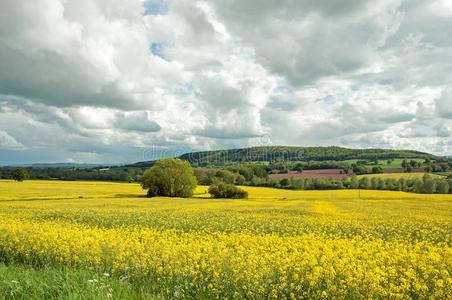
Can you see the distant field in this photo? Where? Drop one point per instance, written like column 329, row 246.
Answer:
column 106, row 241
column 321, row 173
column 396, row 163
column 402, row 175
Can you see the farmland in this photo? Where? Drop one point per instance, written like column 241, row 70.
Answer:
column 323, row 173
column 277, row 244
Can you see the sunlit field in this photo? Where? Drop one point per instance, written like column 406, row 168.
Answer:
column 277, row 244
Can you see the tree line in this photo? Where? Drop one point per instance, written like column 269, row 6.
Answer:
column 427, row 184
column 288, row 154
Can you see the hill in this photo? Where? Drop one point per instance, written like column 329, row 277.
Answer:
column 281, row 153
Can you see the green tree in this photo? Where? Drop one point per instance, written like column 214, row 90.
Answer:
column 413, row 163
column 354, row 183
column 429, row 186
column 377, row 169
column 298, row 167
column 404, row 164
column 170, row 177
column 20, row 175
column 284, row 182
column 226, row 176
column 417, row 186
column 374, row 183
column 381, row 184
column 403, row 184
column 297, row 184
column 364, row 183
column 443, row 187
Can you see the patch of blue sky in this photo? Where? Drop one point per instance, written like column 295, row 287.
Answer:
column 284, row 88
column 155, row 7
column 157, row 49
column 327, row 99
column 355, row 87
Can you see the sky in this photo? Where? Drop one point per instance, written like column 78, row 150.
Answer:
column 113, row 81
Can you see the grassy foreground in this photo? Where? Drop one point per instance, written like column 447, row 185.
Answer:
column 27, row 283
column 279, row 244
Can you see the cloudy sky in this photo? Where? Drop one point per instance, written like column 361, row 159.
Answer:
column 117, row 81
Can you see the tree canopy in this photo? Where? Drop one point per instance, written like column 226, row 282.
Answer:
column 20, row 174
column 170, row 177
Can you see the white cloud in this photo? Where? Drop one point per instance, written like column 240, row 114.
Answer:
column 7, row 142
column 78, row 79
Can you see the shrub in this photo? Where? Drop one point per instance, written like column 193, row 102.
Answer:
column 169, row 177
column 224, row 190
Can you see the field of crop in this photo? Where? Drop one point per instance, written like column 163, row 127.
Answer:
column 278, row 244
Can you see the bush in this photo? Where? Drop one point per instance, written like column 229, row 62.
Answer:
column 169, row 177
column 224, row 190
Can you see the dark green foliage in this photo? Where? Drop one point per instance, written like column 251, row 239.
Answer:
column 297, row 184
column 403, row 184
column 364, row 183
column 286, row 154
column 299, row 167
column 20, row 175
column 417, row 186
column 226, row 176
column 205, row 176
column 443, row 187
column 354, row 183
column 170, row 177
column 377, row 169
column 284, row 182
column 98, row 173
column 358, row 169
column 428, row 184
column 223, row 190
column 393, row 184
column 381, row 184
column 238, row 174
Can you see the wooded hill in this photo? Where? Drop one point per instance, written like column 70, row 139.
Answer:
column 287, row 154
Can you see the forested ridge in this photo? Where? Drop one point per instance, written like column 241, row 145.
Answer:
column 284, row 153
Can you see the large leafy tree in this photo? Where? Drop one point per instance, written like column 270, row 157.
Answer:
column 20, row 174
column 170, row 177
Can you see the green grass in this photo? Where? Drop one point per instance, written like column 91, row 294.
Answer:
column 23, row 282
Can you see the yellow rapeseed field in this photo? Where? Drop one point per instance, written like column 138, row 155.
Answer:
column 277, row 244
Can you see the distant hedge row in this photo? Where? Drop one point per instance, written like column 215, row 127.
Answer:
column 427, row 184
